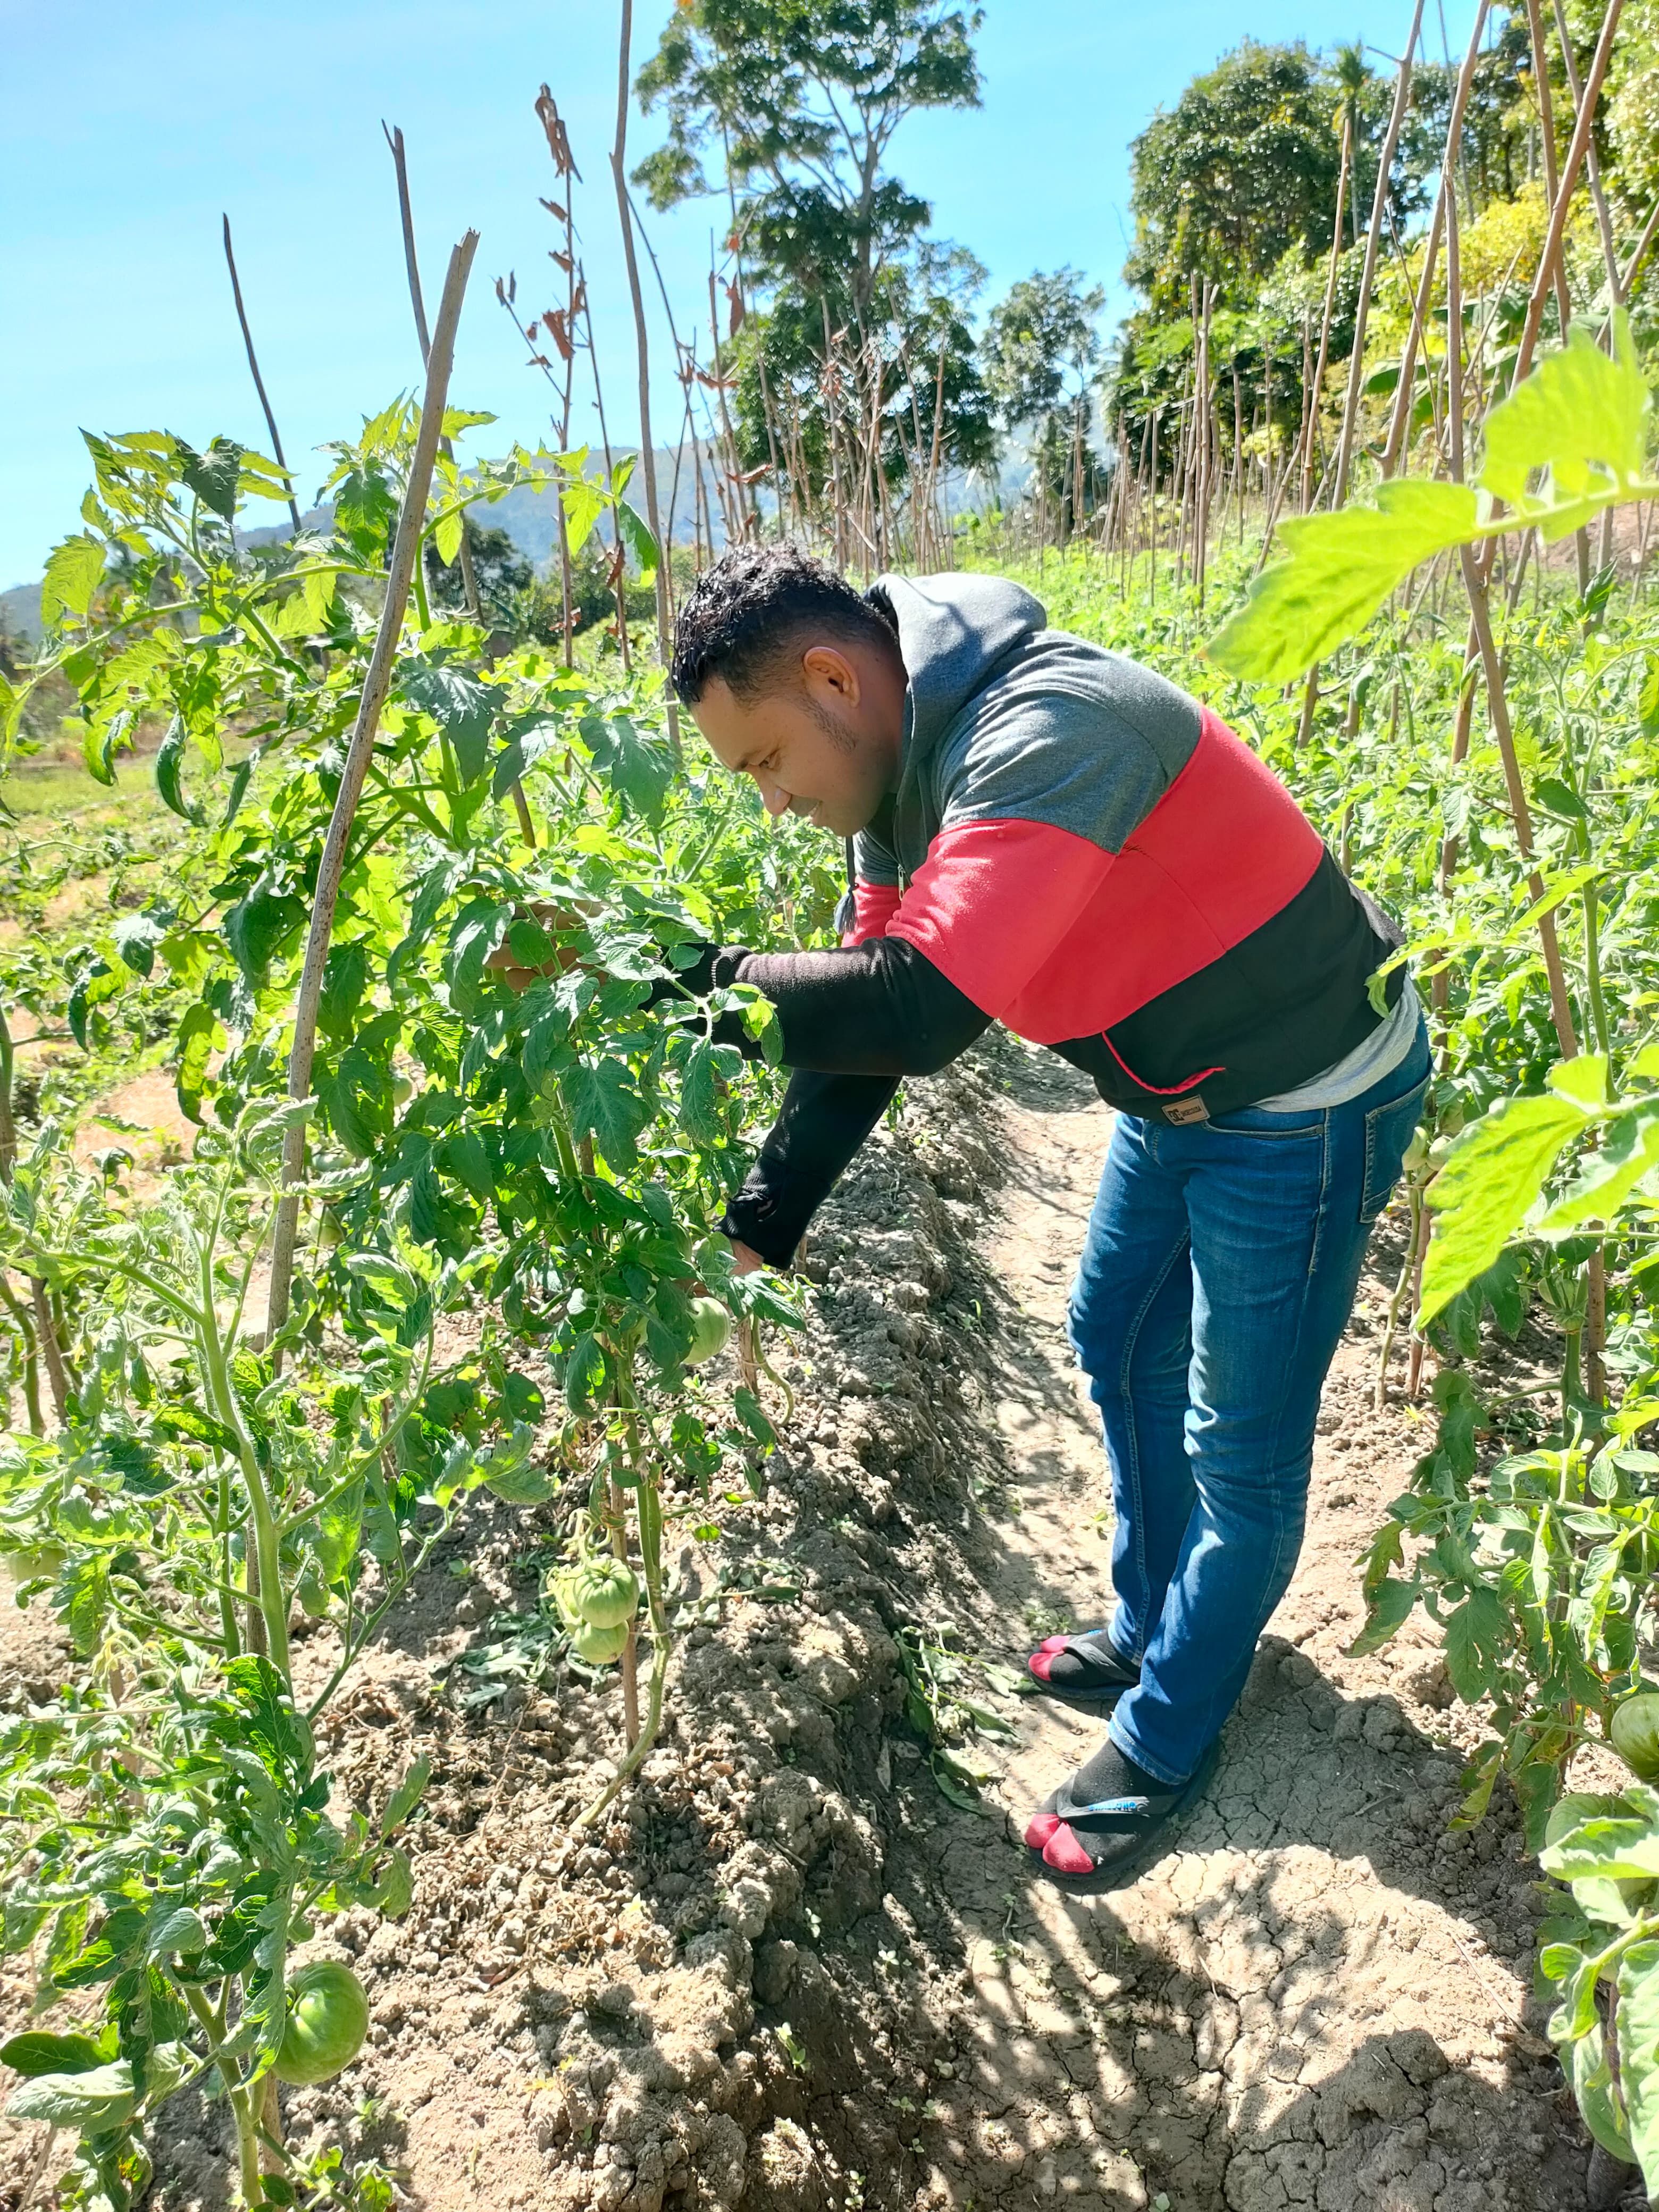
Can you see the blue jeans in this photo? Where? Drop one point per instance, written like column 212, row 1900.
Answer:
column 1217, row 1278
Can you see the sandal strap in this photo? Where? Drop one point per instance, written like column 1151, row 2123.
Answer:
column 1108, row 1812
column 1088, row 1652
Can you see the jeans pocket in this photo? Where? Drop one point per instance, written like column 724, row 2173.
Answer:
column 1388, row 1130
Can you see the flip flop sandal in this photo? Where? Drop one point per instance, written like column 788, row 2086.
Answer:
column 1099, row 1847
column 1102, row 1675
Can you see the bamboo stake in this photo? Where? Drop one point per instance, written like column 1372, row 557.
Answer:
column 648, row 452
column 405, row 551
column 1563, row 202
column 1592, row 164
column 564, row 168
column 1368, row 273
column 1540, row 78
column 412, row 265
column 469, row 574
column 1474, row 582
column 1325, row 323
column 259, row 380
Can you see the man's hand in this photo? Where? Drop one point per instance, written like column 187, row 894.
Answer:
column 743, row 1260
column 507, row 964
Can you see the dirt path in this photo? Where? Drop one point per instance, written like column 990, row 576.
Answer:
column 1322, row 2000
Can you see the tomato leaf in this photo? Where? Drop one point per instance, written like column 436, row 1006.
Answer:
column 74, row 570
column 1492, row 1178
column 1581, row 415
column 1341, row 567
column 601, row 1099
column 461, row 705
column 1476, row 1632
column 91, row 2102
column 36, row 2052
column 198, row 1031
column 1639, row 2053
column 1605, row 1178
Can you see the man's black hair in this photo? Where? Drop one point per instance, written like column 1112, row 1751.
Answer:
column 748, row 615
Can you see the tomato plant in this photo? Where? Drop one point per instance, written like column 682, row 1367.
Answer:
column 518, row 1127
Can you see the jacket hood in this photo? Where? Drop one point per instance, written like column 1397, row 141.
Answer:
column 953, row 630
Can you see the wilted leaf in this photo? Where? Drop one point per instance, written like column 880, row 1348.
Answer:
column 169, row 763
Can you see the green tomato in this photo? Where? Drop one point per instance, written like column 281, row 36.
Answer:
column 1636, row 1733
column 33, row 1562
column 599, row 1646
column 1577, row 1805
column 327, row 2020
column 604, row 1593
column 711, row 1327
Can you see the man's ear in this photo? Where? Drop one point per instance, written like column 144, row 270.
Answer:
column 831, row 667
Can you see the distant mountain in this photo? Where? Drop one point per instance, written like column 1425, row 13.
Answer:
column 20, row 611
column 531, row 518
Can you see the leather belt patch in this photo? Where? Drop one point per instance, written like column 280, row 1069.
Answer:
column 1185, row 1110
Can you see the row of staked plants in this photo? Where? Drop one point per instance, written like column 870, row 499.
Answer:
column 516, row 1137
column 1495, row 781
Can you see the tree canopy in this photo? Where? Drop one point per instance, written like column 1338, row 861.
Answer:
column 1244, row 166
column 802, row 102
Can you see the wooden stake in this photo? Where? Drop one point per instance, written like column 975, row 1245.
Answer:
column 259, row 380
column 647, row 453
column 405, row 551
column 1368, row 274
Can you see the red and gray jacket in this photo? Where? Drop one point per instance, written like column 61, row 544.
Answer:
column 1075, row 849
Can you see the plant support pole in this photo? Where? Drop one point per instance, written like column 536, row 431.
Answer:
column 1368, row 276
column 647, row 454
column 405, row 551
column 464, row 551
column 259, row 380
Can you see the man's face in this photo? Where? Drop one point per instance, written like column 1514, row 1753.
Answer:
column 825, row 747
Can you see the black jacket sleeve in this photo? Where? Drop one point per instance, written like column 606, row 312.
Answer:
column 823, row 1121
column 853, row 1020
column 878, row 1008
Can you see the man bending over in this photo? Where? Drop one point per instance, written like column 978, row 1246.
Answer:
column 1049, row 835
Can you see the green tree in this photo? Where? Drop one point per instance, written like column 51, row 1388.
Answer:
column 502, row 571
column 801, row 101
column 1042, row 355
column 1243, row 166
column 864, row 320
column 920, row 350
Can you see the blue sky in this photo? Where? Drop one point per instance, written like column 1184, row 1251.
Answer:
column 129, row 130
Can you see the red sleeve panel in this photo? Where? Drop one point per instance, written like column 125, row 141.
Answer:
column 1050, row 933
column 874, row 906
